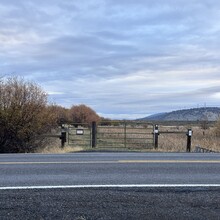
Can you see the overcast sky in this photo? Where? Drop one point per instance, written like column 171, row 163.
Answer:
column 124, row 58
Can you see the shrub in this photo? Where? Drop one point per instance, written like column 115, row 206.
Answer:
column 61, row 114
column 24, row 116
column 82, row 114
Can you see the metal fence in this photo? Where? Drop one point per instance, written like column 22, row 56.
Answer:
column 114, row 134
column 160, row 132
column 80, row 135
column 124, row 134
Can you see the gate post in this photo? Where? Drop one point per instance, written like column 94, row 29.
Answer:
column 94, row 134
column 156, row 135
column 63, row 136
column 125, row 134
column 189, row 140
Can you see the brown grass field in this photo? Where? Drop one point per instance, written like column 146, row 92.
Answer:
column 177, row 142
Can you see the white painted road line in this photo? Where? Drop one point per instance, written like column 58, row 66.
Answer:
column 108, row 162
column 111, row 186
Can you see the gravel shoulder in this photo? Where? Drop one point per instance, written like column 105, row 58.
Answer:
column 86, row 204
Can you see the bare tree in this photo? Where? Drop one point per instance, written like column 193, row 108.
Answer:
column 24, row 115
column 83, row 114
column 61, row 114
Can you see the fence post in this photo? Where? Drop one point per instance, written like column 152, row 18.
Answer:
column 156, row 135
column 68, row 136
column 63, row 136
column 125, row 134
column 189, row 140
column 94, row 134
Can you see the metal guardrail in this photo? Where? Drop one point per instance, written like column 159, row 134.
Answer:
column 203, row 150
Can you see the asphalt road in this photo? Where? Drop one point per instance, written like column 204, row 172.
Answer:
column 110, row 186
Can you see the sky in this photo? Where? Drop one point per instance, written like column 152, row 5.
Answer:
column 125, row 59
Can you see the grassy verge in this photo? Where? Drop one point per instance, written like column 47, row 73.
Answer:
column 54, row 147
column 59, row 150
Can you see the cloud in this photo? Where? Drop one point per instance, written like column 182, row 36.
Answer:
column 120, row 57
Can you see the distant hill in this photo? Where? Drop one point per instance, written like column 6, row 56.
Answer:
column 194, row 114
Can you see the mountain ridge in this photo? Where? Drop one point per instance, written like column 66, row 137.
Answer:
column 192, row 114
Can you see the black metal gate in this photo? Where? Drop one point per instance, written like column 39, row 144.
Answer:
column 112, row 134
column 124, row 134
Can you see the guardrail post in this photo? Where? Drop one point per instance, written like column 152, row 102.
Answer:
column 94, row 134
column 156, row 136
column 189, row 140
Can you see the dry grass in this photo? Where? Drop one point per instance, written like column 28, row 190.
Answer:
column 54, row 147
column 177, row 142
column 172, row 142
column 206, row 139
column 59, row 150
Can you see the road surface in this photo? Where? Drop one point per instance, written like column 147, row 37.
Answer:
column 110, row 186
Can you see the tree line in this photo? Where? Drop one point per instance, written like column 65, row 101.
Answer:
column 25, row 116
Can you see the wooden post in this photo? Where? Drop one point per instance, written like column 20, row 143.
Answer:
column 156, row 135
column 189, row 140
column 94, row 134
column 63, row 136
column 125, row 135
column 68, row 136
